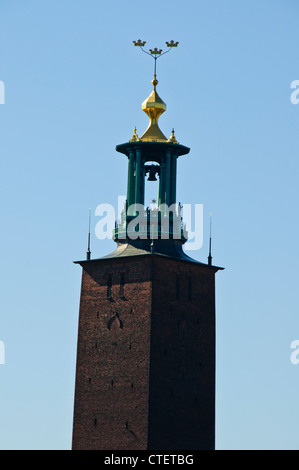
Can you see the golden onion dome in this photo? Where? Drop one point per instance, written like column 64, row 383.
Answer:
column 153, row 106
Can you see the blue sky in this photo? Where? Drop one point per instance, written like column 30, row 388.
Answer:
column 74, row 85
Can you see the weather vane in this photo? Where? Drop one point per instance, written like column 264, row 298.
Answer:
column 155, row 53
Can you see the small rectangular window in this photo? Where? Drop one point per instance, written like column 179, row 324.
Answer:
column 190, row 289
column 122, row 286
column 177, row 287
column 109, row 288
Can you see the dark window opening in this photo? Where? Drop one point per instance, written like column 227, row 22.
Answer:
column 115, row 323
column 109, row 288
column 177, row 288
column 122, row 286
column 190, row 289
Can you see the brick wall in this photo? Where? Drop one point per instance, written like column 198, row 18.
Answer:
column 182, row 379
column 145, row 358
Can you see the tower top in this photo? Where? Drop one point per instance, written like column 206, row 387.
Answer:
column 158, row 229
column 154, row 106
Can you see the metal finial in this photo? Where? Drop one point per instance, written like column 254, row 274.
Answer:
column 155, row 53
column 210, row 246
column 134, row 137
column 139, row 43
column 172, row 138
column 171, row 44
column 88, row 253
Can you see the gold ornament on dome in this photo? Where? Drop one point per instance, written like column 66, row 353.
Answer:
column 154, row 106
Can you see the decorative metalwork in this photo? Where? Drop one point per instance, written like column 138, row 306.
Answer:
column 171, row 44
column 155, row 53
column 139, row 43
column 172, row 138
column 134, row 137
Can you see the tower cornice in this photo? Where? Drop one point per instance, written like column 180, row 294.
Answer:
column 154, row 148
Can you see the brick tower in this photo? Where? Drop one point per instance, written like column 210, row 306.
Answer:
column 145, row 374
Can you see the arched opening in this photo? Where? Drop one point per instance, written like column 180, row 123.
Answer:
column 151, row 186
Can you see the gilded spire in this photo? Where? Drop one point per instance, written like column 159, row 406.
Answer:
column 153, row 106
column 172, row 138
column 134, row 137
